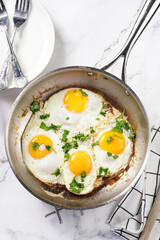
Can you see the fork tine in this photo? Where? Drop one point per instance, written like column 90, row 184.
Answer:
column 27, row 5
column 17, row 4
column 21, row 5
column 2, row 5
column 24, row 6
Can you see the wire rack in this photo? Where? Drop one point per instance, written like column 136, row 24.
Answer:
column 57, row 211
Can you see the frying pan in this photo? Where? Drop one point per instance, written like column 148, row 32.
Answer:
column 109, row 86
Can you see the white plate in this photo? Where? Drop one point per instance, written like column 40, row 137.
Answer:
column 34, row 42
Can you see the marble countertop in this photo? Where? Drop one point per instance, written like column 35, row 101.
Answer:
column 88, row 33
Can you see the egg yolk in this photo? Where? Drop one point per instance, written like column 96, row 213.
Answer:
column 38, row 146
column 75, row 101
column 80, row 161
column 112, row 141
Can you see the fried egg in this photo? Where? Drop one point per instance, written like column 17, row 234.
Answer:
column 42, row 152
column 74, row 108
column 80, row 173
column 113, row 149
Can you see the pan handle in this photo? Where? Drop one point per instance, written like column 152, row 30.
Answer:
column 149, row 9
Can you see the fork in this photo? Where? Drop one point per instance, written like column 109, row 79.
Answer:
column 20, row 15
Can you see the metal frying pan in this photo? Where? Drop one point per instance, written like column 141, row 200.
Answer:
column 87, row 77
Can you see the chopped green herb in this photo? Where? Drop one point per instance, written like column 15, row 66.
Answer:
column 102, row 172
column 97, row 118
column 48, row 147
column 64, row 136
column 115, row 156
column 131, row 134
column 115, row 135
column 52, row 126
column 95, row 144
column 66, row 157
column 45, row 116
column 102, row 112
column 82, row 137
column 75, row 144
column 69, row 145
column 76, row 186
column 66, row 147
column 67, row 118
column 92, row 130
column 75, row 91
column 109, row 140
column 35, row 106
column 57, row 172
column 123, row 124
column 120, row 125
column 55, row 127
column 35, row 145
column 109, row 154
column 83, row 176
column 122, row 114
column 84, row 94
column 54, row 150
column 44, row 127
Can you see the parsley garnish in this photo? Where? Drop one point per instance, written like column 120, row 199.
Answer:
column 69, row 145
column 92, row 130
column 66, row 147
column 115, row 135
column 76, row 186
column 35, row 145
column 115, row 156
column 57, row 172
column 35, row 106
column 123, row 124
column 109, row 154
column 84, row 94
column 102, row 172
column 120, row 125
column 109, row 140
column 83, row 176
column 44, row 127
column 54, row 150
column 95, row 144
column 48, row 147
column 122, row 114
column 64, row 136
column 75, row 144
column 67, row 118
column 97, row 118
column 82, row 137
column 66, row 157
column 52, row 126
column 45, row 116
column 102, row 112
column 132, row 134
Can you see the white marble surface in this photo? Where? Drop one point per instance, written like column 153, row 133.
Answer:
column 88, row 32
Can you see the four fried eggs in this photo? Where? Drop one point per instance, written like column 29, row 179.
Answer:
column 76, row 139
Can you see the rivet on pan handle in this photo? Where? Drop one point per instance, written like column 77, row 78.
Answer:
column 149, row 9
